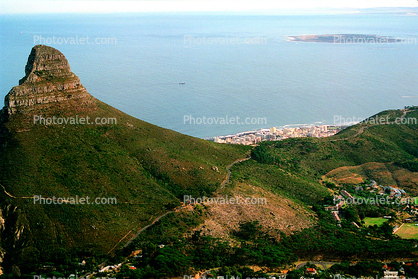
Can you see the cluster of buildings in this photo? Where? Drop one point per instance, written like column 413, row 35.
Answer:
column 394, row 192
column 273, row 134
column 392, row 196
column 335, row 208
column 388, row 273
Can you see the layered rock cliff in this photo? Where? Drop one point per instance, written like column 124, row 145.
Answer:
column 48, row 80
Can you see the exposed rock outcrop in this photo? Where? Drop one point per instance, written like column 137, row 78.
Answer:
column 48, row 80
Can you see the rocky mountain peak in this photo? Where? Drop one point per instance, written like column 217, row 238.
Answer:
column 48, row 79
column 45, row 63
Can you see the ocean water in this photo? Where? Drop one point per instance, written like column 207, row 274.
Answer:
column 270, row 81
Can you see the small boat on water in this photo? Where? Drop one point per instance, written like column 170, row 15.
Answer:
column 182, row 83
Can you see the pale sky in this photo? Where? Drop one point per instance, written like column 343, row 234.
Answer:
column 81, row 6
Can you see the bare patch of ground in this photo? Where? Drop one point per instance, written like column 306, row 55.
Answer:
column 386, row 174
column 277, row 214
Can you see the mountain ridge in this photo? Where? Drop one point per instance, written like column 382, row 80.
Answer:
column 147, row 168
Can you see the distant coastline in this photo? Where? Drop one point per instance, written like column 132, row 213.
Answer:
column 345, row 39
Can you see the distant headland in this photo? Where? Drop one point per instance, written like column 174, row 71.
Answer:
column 345, row 39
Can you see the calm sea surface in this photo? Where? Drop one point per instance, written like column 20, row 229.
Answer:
column 138, row 70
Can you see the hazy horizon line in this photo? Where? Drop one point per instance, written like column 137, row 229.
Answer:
column 200, row 6
column 304, row 11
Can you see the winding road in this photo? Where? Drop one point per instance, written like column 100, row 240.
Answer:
column 228, row 175
column 227, row 178
column 14, row 197
column 226, row 181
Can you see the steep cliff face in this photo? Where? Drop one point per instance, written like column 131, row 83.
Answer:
column 48, row 80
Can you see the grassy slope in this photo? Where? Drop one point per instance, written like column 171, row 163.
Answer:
column 408, row 231
column 282, row 182
column 147, row 168
column 294, row 167
column 369, row 221
column 383, row 143
column 387, row 174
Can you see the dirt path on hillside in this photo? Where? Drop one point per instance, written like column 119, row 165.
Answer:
column 226, row 180
column 228, row 175
column 13, row 197
column 405, row 111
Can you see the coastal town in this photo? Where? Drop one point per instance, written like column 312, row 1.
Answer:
column 273, row 134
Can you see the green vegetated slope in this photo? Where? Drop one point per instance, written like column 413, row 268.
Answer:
column 292, row 185
column 295, row 166
column 146, row 168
